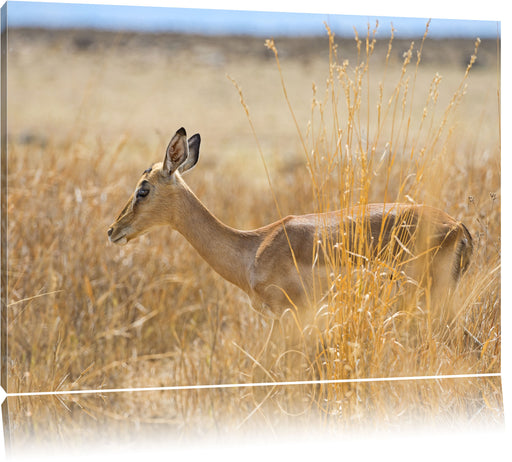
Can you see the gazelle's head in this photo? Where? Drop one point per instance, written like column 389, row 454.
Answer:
column 155, row 198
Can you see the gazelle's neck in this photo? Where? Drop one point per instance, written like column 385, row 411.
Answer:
column 228, row 251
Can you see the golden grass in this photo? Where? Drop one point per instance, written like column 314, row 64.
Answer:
column 84, row 314
column 267, row 413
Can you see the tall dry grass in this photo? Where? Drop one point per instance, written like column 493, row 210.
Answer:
column 83, row 314
column 367, row 141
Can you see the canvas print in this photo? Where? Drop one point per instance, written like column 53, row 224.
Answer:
column 225, row 224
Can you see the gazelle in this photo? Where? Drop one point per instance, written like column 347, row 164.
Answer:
column 279, row 265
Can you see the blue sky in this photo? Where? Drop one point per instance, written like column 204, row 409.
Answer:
column 208, row 21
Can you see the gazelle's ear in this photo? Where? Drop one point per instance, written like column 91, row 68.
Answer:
column 177, row 152
column 193, row 153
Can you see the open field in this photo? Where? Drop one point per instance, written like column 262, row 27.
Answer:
column 88, row 112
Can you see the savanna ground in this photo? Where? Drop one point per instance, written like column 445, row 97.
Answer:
column 390, row 120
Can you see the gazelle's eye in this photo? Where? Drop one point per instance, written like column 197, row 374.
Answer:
column 142, row 192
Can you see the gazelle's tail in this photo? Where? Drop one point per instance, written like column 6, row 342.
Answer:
column 463, row 252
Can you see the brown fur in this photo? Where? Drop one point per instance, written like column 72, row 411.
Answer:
column 278, row 265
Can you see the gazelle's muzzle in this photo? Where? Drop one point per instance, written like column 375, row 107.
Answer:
column 116, row 238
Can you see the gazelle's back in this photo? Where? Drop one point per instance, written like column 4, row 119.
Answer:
column 420, row 238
